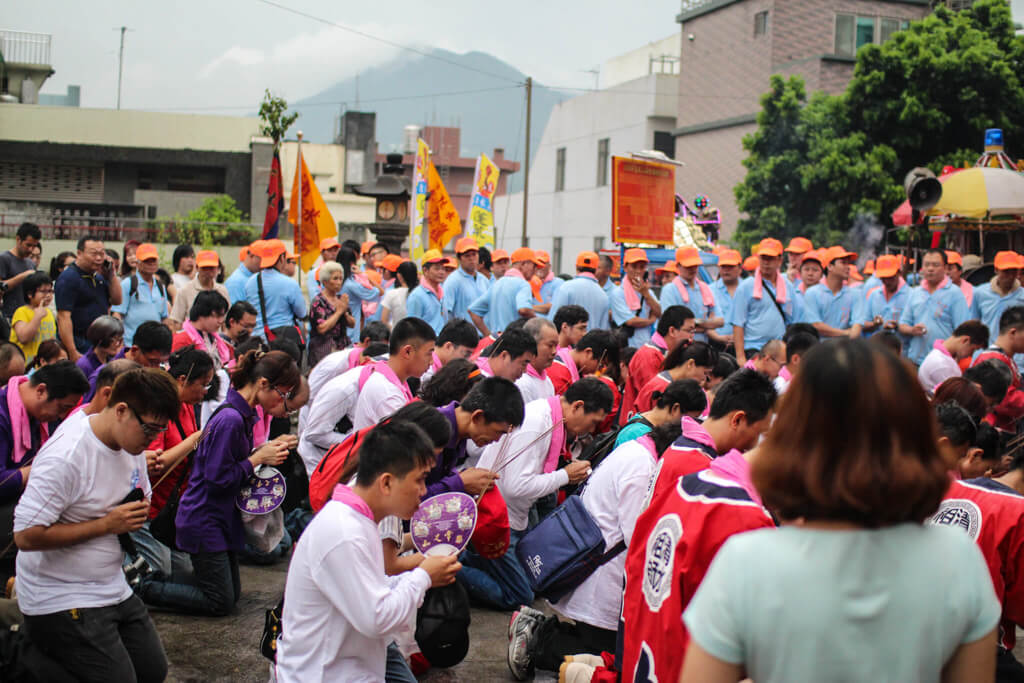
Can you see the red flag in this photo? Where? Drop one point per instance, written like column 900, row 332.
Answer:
column 275, row 199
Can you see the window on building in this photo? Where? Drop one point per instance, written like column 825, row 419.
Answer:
column 852, row 32
column 665, row 143
column 761, row 23
column 560, row 169
column 556, row 255
column 602, row 161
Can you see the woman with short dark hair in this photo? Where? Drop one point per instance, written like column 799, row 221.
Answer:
column 854, row 586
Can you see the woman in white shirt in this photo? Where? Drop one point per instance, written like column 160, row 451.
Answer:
column 393, row 301
column 853, row 587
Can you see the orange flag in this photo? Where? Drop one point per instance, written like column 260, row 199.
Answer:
column 316, row 224
column 442, row 217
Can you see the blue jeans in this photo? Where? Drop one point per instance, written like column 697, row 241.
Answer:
column 252, row 556
column 173, row 564
column 500, row 583
column 396, row 670
column 214, row 592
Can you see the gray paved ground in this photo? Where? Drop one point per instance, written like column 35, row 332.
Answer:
column 226, row 649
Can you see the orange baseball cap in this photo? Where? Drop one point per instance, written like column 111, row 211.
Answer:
column 542, row 257
column 365, row 248
column 523, row 254
column 869, row 267
column 146, row 251
column 769, row 246
column 688, row 257
column 669, row 267
column 816, row 255
column 887, row 265
column 206, row 259
column 329, row 243
column 243, row 253
column 1005, row 260
column 432, row 256
column 588, row 259
column 499, row 255
column 391, row 262
column 751, row 263
column 635, row 256
column 837, row 252
column 450, row 262
column 854, row 275
column 799, row 245
column 954, row 257
column 255, row 248
column 271, row 251
column 466, row 244
column 729, row 257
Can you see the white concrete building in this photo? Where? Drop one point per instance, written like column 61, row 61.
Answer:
column 570, row 177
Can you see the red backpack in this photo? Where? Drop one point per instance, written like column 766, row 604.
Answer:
column 326, row 475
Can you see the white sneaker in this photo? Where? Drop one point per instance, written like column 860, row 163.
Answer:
column 521, row 643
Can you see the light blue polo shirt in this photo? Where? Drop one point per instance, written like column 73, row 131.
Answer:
column 460, row 290
column 839, row 310
column 500, row 305
column 424, row 304
column 548, row 289
column 357, row 294
column 671, row 296
column 146, row 304
column 283, row 297
column 760, row 318
column 235, row 284
column 621, row 312
column 312, row 284
column 876, row 305
column 940, row 312
column 723, row 300
column 989, row 305
column 584, row 291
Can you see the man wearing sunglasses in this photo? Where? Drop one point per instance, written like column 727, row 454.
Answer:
column 89, row 486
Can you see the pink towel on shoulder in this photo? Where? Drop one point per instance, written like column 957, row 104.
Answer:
column 21, row 427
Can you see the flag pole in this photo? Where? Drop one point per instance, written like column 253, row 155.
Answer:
column 297, row 238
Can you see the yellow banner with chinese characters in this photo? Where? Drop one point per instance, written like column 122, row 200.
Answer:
column 443, row 221
column 418, row 212
column 316, row 222
column 481, row 206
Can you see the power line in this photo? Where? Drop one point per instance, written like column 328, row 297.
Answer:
column 392, row 43
column 398, row 98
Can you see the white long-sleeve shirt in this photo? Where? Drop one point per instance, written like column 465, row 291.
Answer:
column 329, row 367
column 377, row 399
column 335, row 400
column 614, row 496
column 533, row 388
column 341, row 609
column 523, row 481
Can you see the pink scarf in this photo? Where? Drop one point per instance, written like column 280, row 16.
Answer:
column 532, row 372
column 223, row 351
column 659, row 341
column 565, row 355
column 695, row 431
column 968, row 289
column 648, row 443
column 734, row 466
column 261, row 429
column 632, row 297
column 780, row 286
column 706, row 297
column 21, row 427
column 435, row 362
column 557, row 434
column 353, row 357
column 344, row 494
column 940, row 346
column 514, row 272
column 942, row 285
column 436, row 290
column 785, row 374
column 485, row 366
column 589, row 276
column 369, row 307
column 548, row 278
column 384, row 369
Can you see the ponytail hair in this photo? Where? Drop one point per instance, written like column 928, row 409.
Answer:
column 277, row 367
column 190, row 363
column 686, row 393
column 347, row 258
column 410, row 276
column 665, row 435
column 700, row 353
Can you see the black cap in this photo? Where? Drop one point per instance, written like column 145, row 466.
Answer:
column 442, row 625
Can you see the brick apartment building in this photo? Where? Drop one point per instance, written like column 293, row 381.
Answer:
column 730, row 48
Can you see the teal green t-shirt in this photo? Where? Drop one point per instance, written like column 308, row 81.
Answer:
column 799, row 604
column 633, row 430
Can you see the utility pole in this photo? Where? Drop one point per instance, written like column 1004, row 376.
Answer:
column 526, row 161
column 120, row 66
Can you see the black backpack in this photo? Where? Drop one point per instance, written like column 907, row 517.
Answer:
column 133, row 286
column 602, row 446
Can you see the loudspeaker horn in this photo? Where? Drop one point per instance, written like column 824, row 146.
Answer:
column 923, row 189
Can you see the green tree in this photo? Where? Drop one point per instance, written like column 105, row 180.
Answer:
column 924, row 98
column 275, row 122
column 218, row 220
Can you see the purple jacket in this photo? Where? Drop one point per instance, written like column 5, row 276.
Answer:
column 208, row 521
column 443, row 477
column 88, row 363
column 10, row 476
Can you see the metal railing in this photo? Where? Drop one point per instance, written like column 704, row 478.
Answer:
column 25, row 48
column 59, row 226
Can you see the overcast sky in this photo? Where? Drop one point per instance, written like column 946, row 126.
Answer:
column 223, row 53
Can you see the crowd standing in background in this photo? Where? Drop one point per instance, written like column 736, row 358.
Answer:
column 854, row 440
